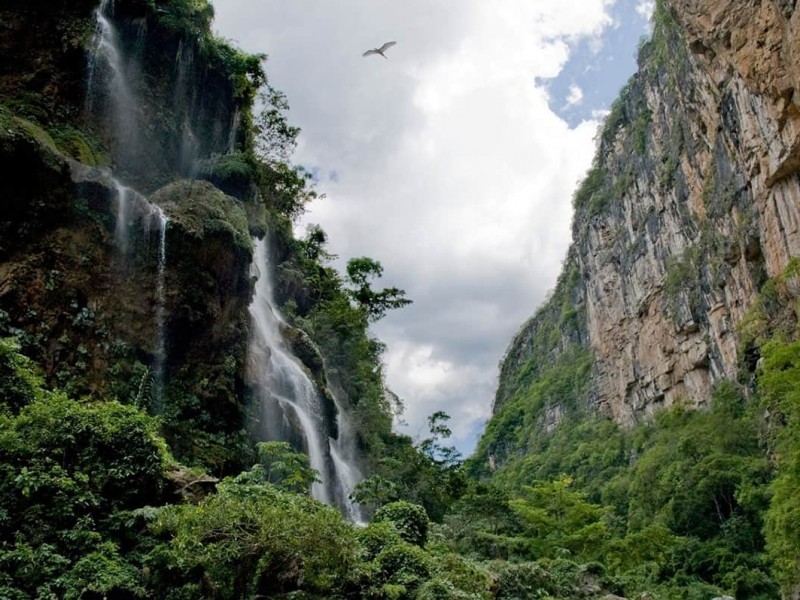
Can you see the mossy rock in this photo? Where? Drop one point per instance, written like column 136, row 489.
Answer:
column 204, row 212
column 36, row 187
column 78, row 146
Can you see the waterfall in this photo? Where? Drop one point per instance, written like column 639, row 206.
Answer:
column 108, row 79
column 103, row 39
column 130, row 204
column 108, row 86
column 133, row 206
column 161, row 339
column 184, row 97
column 235, row 121
column 290, row 403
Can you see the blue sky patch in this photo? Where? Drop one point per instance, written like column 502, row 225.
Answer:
column 598, row 68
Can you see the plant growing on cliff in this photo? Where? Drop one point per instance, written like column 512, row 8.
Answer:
column 375, row 304
column 275, row 138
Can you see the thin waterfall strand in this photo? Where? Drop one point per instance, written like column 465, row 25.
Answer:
column 161, row 349
column 113, row 82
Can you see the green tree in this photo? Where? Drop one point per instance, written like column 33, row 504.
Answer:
column 275, row 138
column 410, row 520
column 280, row 465
column 779, row 386
column 359, row 273
column 250, row 540
column 557, row 518
column 444, row 456
column 19, row 383
column 67, row 470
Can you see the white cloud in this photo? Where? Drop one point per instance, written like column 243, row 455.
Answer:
column 645, row 8
column 575, row 95
column 451, row 168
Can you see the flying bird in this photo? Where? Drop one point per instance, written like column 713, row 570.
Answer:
column 380, row 50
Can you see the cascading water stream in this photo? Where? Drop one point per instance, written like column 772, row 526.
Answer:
column 103, row 40
column 280, row 381
column 161, row 349
column 132, row 206
column 107, row 80
column 235, row 122
column 113, row 84
column 290, row 401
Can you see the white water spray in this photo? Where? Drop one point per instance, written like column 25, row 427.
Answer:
column 103, row 34
column 108, row 86
column 161, row 348
column 108, row 79
column 290, row 402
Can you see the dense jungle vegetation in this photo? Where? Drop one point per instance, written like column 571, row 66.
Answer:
column 99, row 498
column 690, row 506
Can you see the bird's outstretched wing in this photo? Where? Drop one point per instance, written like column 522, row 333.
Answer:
column 380, row 50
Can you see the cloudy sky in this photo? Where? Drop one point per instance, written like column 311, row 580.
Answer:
column 453, row 162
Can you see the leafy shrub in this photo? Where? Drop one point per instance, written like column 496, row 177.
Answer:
column 19, row 383
column 515, row 581
column 281, row 466
column 401, row 565
column 253, row 539
column 65, row 469
column 410, row 520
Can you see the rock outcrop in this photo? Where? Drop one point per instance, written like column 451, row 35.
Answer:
column 692, row 204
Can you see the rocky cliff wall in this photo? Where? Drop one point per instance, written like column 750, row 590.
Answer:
column 82, row 283
column 691, row 205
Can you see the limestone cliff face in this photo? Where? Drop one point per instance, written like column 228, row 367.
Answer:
column 693, row 202
column 81, row 284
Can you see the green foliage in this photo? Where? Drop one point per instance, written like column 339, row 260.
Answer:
column 253, row 539
column 483, row 524
column 674, row 507
column 397, row 571
column 191, row 20
column 19, row 383
column 557, row 519
column 773, row 316
column 275, row 139
column 516, row 581
column 682, row 283
column 779, row 385
column 592, row 193
column 79, row 145
column 359, row 273
column 552, row 334
column 428, row 475
column 65, row 469
column 286, row 189
column 317, row 302
column 229, row 170
column 562, row 388
column 445, row 456
column 667, row 49
column 204, row 212
column 410, row 520
column 617, row 117
column 281, row 466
